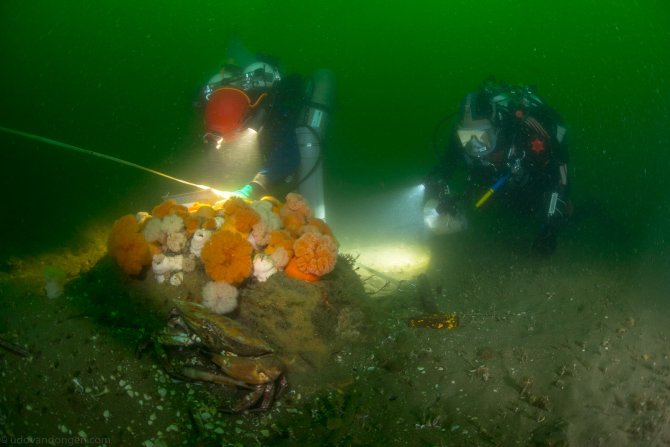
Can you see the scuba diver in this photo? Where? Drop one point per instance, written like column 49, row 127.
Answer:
column 289, row 115
column 507, row 142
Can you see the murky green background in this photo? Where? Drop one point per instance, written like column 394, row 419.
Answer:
column 119, row 77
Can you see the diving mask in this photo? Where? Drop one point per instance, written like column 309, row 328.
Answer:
column 478, row 138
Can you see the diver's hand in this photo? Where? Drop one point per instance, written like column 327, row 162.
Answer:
column 443, row 221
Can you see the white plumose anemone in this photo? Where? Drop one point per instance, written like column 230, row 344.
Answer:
column 176, row 242
column 260, row 233
column 198, row 241
column 153, row 231
column 264, row 267
column 162, row 264
column 280, row 257
column 172, row 224
column 219, row 297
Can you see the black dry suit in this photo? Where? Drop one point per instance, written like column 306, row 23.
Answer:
column 528, row 161
column 277, row 137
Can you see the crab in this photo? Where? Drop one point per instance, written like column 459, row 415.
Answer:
column 198, row 345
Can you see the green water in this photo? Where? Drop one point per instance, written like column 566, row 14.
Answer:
column 119, row 78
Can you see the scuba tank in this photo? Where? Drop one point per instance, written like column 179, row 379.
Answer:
column 311, row 128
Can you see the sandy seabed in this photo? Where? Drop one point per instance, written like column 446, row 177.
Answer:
column 570, row 350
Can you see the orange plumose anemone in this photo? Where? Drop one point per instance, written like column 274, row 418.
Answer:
column 293, row 223
column 206, row 211
column 239, row 215
column 320, row 226
column 295, row 203
column 163, row 209
column 280, row 238
column 315, row 253
column 292, row 271
column 169, row 207
column 227, row 256
column 295, row 213
column 127, row 245
column 192, row 224
column 209, row 224
column 194, row 207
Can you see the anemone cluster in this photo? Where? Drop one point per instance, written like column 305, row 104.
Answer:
column 232, row 241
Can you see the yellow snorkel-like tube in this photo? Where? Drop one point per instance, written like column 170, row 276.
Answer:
column 487, row 195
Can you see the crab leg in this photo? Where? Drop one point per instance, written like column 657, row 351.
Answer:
column 268, row 397
column 249, row 400
column 282, row 386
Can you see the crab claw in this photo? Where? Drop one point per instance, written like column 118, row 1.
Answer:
column 268, row 397
column 282, row 387
column 248, row 401
column 266, row 394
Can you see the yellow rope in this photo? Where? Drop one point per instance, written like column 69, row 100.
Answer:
column 99, row 155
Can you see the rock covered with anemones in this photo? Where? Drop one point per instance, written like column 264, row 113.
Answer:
column 232, row 242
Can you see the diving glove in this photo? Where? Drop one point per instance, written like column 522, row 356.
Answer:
column 439, row 220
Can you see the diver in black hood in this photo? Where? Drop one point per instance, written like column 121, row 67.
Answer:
column 508, row 141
